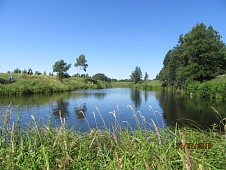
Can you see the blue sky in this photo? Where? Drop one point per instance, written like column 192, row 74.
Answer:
column 114, row 35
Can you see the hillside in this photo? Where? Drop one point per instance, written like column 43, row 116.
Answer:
column 31, row 84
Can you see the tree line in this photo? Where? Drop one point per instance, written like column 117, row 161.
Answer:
column 61, row 68
column 137, row 76
column 200, row 55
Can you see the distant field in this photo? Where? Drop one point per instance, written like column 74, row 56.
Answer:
column 121, row 84
column 145, row 85
column 149, row 85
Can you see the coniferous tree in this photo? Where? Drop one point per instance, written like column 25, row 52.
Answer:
column 61, row 68
column 136, row 75
column 81, row 62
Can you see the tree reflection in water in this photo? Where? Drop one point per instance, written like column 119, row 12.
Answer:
column 61, row 105
column 80, row 111
column 136, row 98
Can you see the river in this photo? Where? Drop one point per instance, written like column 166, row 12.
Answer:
column 85, row 109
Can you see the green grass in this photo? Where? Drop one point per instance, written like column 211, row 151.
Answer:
column 33, row 84
column 149, row 85
column 215, row 88
column 144, row 85
column 117, row 84
column 45, row 147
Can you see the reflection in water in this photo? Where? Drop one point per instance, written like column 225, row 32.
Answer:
column 172, row 108
column 90, row 93
column 80, row 111
column 61, row 105
column 135, row 97
column 146, row 96
column 193, row 112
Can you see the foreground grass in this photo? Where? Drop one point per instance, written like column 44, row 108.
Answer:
column 33, row 84
column 45, row 147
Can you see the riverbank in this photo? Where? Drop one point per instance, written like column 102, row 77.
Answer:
column 144, row 85
column 34, row 84
column 214, row 89
column 121, row 84
column 45, row 147
column 149, row 85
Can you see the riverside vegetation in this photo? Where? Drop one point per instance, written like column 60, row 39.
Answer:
column 32, row 84
column 212, row 89
column 46, row 147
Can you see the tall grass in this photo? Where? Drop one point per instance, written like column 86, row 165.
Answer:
column 46, row 147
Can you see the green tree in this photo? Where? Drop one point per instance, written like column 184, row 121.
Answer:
column 38, row 73
column 146, row 76
column 24, row 71
column 17, row 70
column 136, row 75
column 61, row 68
column 200, row 55
column 81, row 62
column 101, row 76
column 30, row 72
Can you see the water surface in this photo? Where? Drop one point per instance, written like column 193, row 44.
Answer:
column 85, row 109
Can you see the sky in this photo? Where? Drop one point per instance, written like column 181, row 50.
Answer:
column 114, row 35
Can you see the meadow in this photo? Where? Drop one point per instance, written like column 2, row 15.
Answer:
column 114, row 147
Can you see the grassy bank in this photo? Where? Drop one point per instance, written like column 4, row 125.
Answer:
column 144, row 85
column 215, row 88
column 32, row 84
column 149, row 85
column 122, row 148
column 118, row 84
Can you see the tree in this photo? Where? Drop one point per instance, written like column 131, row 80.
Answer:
column 200, row 55
column 38, row 73
column 146, row 76
column 61, row 68
column 101, row 76
column 81, row 62
column 29, row 72
column 136, row 75
column 17, row 70
column 24, row 71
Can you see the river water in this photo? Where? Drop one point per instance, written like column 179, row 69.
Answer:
column 85, row 109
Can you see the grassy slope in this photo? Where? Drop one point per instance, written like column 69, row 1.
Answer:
column 28, row 84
